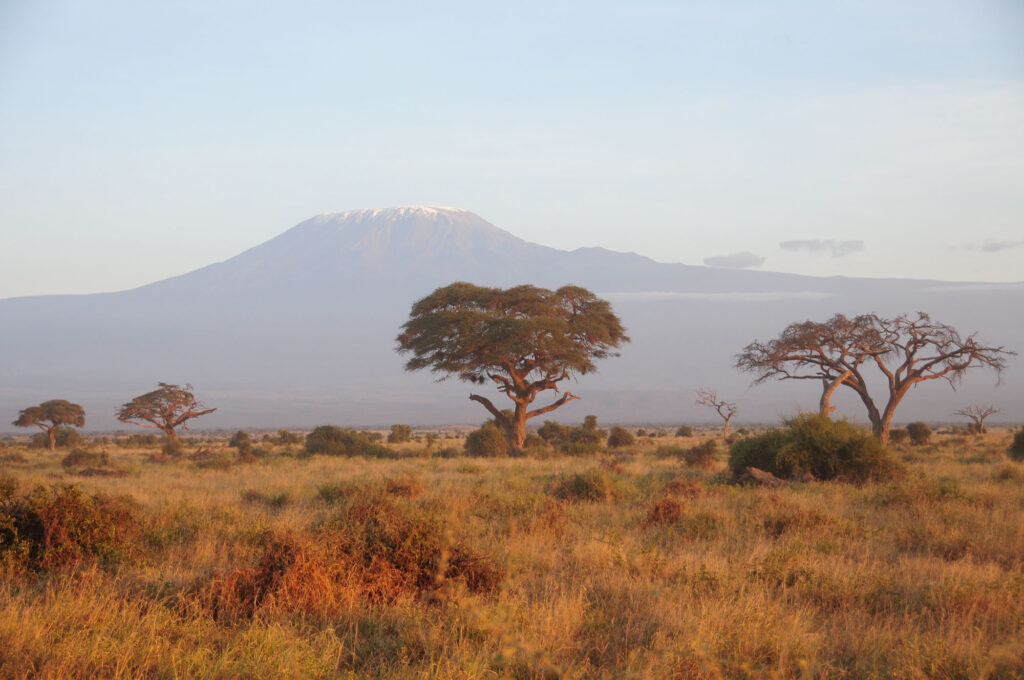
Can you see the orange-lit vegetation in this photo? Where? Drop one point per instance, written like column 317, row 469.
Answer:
column 639, row 561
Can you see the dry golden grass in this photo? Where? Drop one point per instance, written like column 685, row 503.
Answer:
column 624, row 565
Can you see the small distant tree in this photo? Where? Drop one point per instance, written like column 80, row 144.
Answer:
column 978, row 413
column 906, row 350
column 399, row 434
column 50, row 415
column 525, row 340
column 164, row 409
column 725, row 409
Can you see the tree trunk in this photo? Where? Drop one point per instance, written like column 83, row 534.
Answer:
column 517, row 434
column 879, row 427
column 825, row 407
column 52, row 432
column 726, row 432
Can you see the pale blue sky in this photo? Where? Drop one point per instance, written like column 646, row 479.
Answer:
column 140, row 140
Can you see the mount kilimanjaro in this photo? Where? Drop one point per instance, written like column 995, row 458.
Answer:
column 300, row 330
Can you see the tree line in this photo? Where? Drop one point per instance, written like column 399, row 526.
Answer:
column 166, row 408
column 527, row 340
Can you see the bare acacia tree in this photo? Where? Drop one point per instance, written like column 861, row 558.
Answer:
column 906, row 350
column 165, row 409
column 978, row 413
column 725, row 409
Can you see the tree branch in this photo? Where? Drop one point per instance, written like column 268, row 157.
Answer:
column 567, row 397
column 494, row 410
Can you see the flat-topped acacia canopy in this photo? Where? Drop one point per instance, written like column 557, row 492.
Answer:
column 525, row 339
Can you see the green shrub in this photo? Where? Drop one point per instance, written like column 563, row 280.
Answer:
column 172, row 447
column 239, row 438
column 553, row 432
column 684, row 431
column 534, row 441
column 670, row 451
column 898, row 435
column 139, row 440
column 919, row 433
column 701, row 455
column 488, row 441
column 1016, row 450
column 574, row 441
column 335, row 441
column 585, row 486
column 817, row 445
column 64, row 436
column 286, row 438
column 62, row 527
column 399, row 434
column 245, row 453
column 620, row 437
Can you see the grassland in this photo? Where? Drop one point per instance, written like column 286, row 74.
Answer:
column 618, row 565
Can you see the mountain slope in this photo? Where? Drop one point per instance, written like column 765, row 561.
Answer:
column 300, row 330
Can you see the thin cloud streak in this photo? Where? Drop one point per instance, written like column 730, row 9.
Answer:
column 837, row 248
column 977, row 287
column 994, row 246
column 662, row 295
column 744, row 260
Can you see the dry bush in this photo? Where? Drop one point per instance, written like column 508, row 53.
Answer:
column 775, row 516
column 1009, row 473
column 665, row 511
column 274, row 501
column 551, row 517
column 61, row 527
column 686, row 487
column 84, row 458
column 408, row 487
column 374, row 552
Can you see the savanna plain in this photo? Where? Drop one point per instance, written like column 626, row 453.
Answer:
column 646, row 560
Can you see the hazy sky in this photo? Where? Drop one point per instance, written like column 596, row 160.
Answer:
column 140, row 140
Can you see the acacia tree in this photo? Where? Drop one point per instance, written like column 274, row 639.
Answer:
column 50, row 415
column 725, row 409
column 164, row 409
column 906, row 350
column 525, row 340
column 978, row 413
